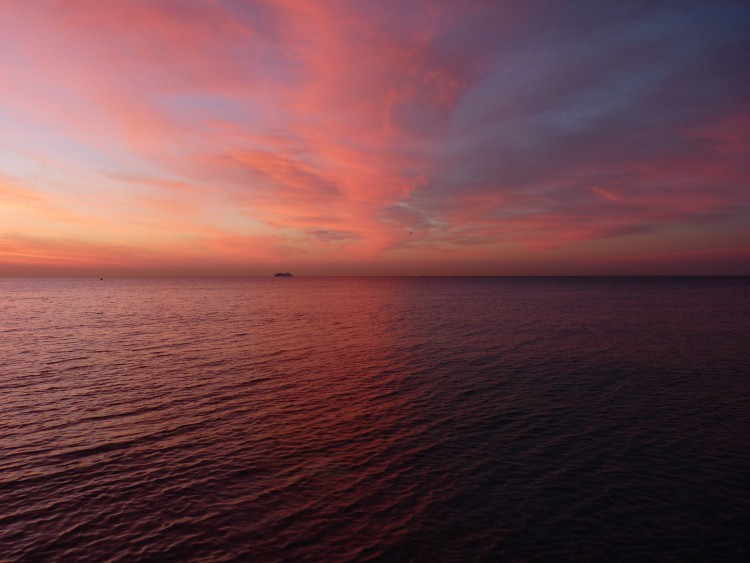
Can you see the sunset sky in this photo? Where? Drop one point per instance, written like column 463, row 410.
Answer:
column 230, row 137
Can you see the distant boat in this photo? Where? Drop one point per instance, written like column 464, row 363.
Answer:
column 283, row 275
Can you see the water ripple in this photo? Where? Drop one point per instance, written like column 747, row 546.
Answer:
column 374, row 419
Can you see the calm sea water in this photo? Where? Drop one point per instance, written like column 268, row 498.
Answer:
column 387, row 419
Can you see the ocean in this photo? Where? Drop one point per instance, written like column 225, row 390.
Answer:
column 375, row 419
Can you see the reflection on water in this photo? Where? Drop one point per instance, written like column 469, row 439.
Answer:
column 364, row 418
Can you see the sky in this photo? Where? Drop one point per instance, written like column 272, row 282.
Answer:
column 383, row 137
